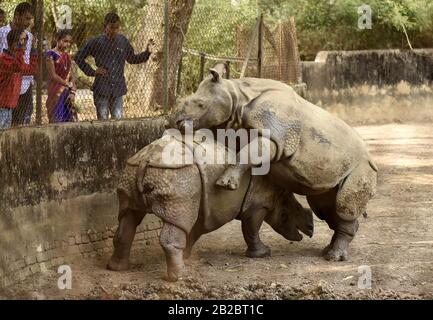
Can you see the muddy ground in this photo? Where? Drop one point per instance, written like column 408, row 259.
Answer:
column 395, row 241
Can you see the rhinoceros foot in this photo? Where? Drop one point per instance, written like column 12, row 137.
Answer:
column 259, row 251
column 118, row 265
column 173, row 274
column 333, row 253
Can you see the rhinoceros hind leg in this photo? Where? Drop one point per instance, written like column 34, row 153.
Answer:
column 343, row 235
column 252, row 220
column 350, row 203
column 355, row 192
column 173, row 241
column 122, row 241
column 324, row 206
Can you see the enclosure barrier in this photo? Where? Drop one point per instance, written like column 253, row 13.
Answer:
column 186, row 46
column 58, row 202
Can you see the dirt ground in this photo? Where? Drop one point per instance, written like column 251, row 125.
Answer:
column 395, row 241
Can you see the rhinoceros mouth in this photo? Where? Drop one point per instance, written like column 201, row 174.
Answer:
column 186, row 125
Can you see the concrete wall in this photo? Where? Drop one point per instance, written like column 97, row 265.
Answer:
column 57, row 192
column 372, row 86
column 334, row 70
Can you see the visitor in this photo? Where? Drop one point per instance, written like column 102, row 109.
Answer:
column 12, row 70
column 22, row 20
column 111, row 50
column 61, row 80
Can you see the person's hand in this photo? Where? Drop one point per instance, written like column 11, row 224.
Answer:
column 101, row 72
column 72, row 97
column 71, row 85
column 150, row 45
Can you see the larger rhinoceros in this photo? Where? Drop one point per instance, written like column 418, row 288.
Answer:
column 313, row 153
column 183, row 194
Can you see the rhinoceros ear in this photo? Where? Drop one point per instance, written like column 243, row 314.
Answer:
column 218, row 71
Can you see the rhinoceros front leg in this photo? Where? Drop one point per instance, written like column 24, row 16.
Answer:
column 258, row 153
column 173, row 241
column 123, row 238
column 252, row 220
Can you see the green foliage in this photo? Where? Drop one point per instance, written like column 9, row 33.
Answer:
column 333, row 24
column 88, row 16
column 321, row 24
column 213, row 30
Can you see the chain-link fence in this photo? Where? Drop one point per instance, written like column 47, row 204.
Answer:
column 191, row 36
column 140, row 21
column 242, row 37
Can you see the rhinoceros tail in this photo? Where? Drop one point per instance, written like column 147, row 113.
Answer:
column 141, row 172
column 204, row 196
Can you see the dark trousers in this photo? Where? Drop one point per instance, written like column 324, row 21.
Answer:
column 22, row 114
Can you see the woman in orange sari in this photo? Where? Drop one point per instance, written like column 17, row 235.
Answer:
column 61, row 83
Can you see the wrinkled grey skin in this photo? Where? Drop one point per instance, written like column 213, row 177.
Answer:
column 190, row 204
column 313, row 153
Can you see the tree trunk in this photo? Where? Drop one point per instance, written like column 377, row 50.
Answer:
column 145, row 82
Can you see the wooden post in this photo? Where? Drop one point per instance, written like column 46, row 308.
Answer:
column 280, row 51
column 294, row 59
column 179, row 76
column 228, row 70
column 166, row 55
column 239, row 45
column 260, row 49
column 202, row 63
column 39, row 19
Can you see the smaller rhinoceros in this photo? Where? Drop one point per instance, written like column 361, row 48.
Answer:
column 185, row 198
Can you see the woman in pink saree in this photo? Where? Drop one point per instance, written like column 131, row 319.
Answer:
column 61, row 82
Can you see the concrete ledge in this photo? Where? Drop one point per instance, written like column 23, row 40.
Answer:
column 57, row 192
column 335, row 70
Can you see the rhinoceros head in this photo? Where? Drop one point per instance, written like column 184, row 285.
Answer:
column 289, row 217
column 210, row 106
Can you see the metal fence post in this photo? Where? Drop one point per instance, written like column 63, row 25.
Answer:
column 280, row 50
column 179, row 76
column 166, row 54
column 228, row 69
column 202, row 63
column 260, row 48
column 39, row 77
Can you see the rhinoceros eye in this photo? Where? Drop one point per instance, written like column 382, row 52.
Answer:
column 201, row 105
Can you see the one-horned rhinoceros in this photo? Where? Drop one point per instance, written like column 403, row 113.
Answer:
column 313, row 153
column 183, row 194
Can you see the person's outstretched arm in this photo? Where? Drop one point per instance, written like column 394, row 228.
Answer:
column 133, row 58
